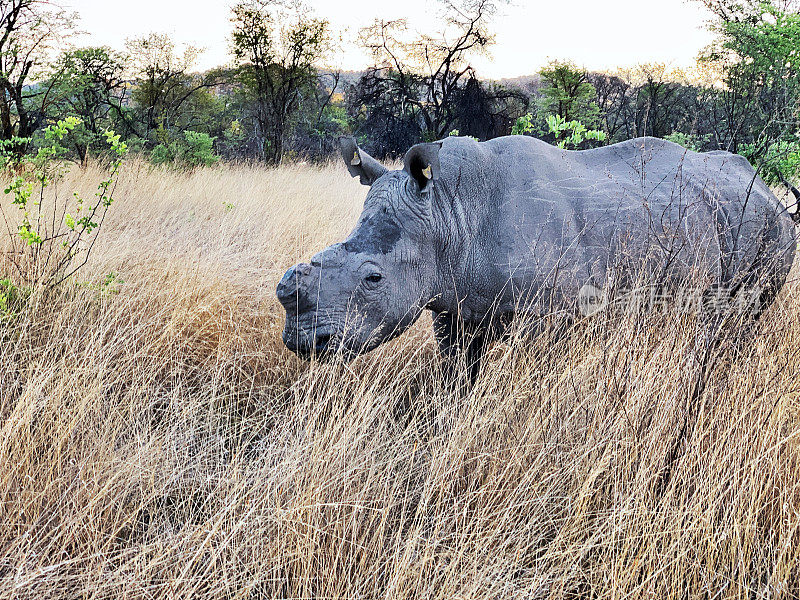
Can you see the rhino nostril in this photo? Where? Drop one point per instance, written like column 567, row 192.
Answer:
column 294, row 289
column 288, row 286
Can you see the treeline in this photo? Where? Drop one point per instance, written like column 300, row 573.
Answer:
column 276, row 102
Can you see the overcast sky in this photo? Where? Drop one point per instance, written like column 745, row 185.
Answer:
column 597, row 34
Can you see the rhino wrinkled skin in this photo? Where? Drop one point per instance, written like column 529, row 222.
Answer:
column 480, row 232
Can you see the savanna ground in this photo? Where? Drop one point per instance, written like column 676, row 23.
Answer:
column 157, row 440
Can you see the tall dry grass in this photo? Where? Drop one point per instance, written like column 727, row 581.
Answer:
column 160, row 443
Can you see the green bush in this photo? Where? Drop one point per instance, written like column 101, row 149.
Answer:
column 12, row 299
column 54, row 236
column 164, row 154
column 781, row 159
column 572, row 133
column 568, row 134
column 194, row 150
column 198, row 149
column 523, row 125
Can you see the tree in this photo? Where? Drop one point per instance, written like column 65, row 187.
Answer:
column 322, row 118
column 663, row 102
column 757, row 51
column 486, row 111
column 567, row 109
column 426, row 75
column 28, row 31
column 568, row 93
column 88, row 83
column 165, row 83
column 277, row 48
column 378, row 107
column 613, row 97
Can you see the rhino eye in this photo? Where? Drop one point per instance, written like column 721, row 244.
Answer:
column 373, row 278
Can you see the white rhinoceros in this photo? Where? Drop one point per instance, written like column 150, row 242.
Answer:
column 480, row 233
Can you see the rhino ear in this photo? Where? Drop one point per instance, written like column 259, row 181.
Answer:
column 359, row 163
column 422, row 163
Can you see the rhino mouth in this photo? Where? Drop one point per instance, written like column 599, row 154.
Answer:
column 311, row 343
column 326, row 345
column 312, row 339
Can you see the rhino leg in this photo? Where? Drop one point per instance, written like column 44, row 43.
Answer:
column 461, row 344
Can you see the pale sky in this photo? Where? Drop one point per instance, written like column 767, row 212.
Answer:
column 599, row 34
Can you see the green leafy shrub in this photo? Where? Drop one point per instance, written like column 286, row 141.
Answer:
column 54, row 237
column 198, row 149
column 567, row 93
column 107, row 287
column 568, row 134
column 12, row 299
column 780, row 159
column 164, row 154
column 457, row 133
column 571, row 134
column 195, row 149
column 523, row 125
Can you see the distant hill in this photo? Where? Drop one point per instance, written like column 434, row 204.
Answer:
column 529, row 83
column 525, row 82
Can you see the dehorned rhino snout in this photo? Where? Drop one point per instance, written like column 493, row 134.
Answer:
column 293, row 289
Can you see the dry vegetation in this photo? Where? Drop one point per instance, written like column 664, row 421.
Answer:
column 160, row 442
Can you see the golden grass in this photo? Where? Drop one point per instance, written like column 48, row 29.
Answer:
column 161, row 442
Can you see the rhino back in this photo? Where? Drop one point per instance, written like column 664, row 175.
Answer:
column 543, row 219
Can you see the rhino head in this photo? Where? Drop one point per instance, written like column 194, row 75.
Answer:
column 359, row 293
